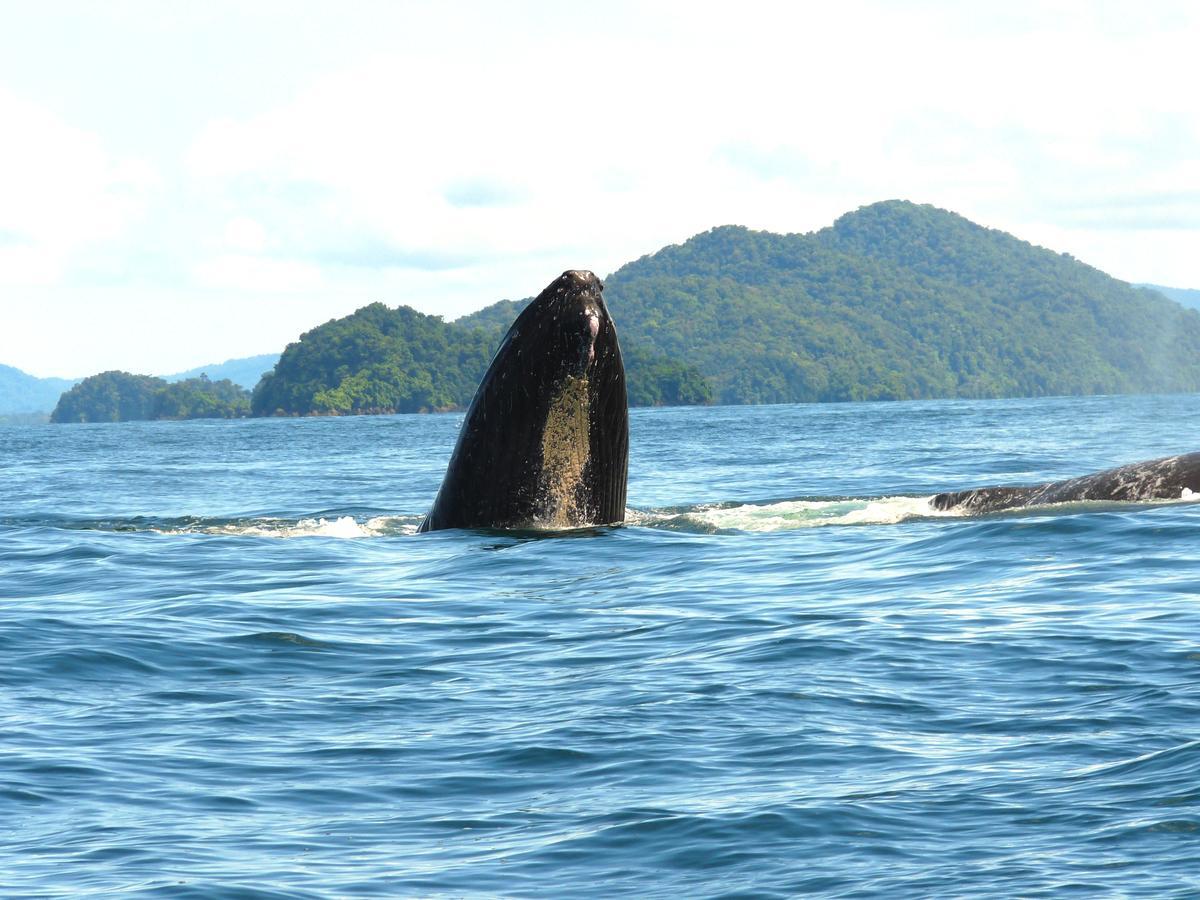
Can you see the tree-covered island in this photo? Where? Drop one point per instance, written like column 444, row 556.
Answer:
column 122, row 397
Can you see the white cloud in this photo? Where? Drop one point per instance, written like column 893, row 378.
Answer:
column 860, row 102
column 61, row 192
column 455, row 155
column 239, row 272
column 246, row 235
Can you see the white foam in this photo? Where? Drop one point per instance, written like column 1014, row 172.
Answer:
column 343, row 527
column 792, row 514
column 340, row 527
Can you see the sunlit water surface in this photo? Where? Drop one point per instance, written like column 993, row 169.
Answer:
column 229, row 668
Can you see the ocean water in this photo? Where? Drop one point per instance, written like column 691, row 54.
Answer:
column 229, row 668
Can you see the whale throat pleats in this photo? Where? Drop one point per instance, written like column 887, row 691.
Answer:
column 566, row 451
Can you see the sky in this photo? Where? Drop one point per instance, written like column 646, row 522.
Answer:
column 181, row 184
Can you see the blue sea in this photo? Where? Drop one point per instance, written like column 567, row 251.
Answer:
column 230, row 668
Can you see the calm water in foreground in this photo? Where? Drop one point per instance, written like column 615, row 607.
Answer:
column 228, row 668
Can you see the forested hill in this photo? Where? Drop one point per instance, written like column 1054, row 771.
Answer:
column 376, row 360
column 899, row 300
column 893, row 301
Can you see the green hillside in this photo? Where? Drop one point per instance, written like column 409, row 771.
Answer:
column 377, row 360
column 896, row 301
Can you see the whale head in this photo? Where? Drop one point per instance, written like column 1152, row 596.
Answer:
column 545, row 441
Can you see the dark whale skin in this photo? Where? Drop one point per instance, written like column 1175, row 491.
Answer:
column 1155, row 479
column 560, row 361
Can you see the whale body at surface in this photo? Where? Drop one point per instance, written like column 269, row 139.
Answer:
column 545, row 441
column 1168, row 478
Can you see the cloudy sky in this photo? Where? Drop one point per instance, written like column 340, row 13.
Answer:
column 181, row 183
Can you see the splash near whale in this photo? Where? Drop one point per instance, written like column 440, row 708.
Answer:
column 1169, row 478
column 545, row 441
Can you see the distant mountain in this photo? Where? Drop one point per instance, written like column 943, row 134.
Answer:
column 22, row 394
column 244, row 372
column 1182, row 296
column 899, row 300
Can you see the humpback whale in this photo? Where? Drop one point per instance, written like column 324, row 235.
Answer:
column 1169, row 478
column 545, row 441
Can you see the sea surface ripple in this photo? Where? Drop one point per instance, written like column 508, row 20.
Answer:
column 229, row 668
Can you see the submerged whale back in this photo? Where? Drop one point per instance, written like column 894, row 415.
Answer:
column 545, row 441
column 1157, row 479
